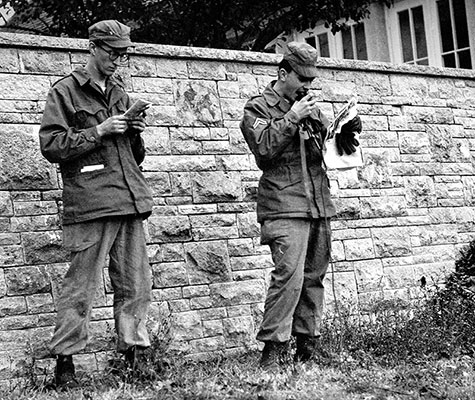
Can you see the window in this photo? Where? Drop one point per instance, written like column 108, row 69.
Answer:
column 455, row 43
column 353, row 42
column 320, row 42
column 432, row 32
column 413, row 36
column 349, row 43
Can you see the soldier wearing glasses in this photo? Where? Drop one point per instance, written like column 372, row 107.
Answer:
column 105, row 199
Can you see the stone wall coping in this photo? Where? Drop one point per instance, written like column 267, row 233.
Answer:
column 21, row 40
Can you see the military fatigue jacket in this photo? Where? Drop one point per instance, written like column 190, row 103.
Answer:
column 101, row 175
column 294, row 183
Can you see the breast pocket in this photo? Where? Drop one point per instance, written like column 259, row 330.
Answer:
column 89, row 115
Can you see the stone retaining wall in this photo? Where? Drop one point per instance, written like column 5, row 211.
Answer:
column 404, row 216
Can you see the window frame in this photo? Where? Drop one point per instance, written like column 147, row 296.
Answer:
column 432, row 31
column 335, row 42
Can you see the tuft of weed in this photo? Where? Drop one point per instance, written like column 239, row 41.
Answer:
column 438, row 324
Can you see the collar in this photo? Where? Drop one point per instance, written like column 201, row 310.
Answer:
column 83, row 77
column 273, row 98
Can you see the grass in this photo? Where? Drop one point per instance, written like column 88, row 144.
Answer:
column 422, row 349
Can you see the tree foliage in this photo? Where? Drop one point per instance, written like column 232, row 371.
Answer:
column 236, row 24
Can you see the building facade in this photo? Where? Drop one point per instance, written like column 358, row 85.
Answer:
column 439, row 33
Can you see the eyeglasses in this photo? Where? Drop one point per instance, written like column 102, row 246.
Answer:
column 113, row 55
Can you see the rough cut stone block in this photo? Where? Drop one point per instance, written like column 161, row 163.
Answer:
column 23, row 87
column 248, row 225
column 11, row 255
column 251, row 262
column 187, row 325
column 197, row 103
column 12, row 306
column 213, row 328
column 356, row 249
column 444, row 147
column 234, row 293
column 392, row 242
column 27, row 280
column 238, row 331
column 369, row 275
column 207, row 262
column 239, row 247
column 9, row 61
column 232, row 108
column 35, row 223
column 157, row 140
column 380, row 207
column 420, row 191
column 44, row 247
column 171, row 68
column 173, row 252
column 169, row 275
column 20, row 143
column 23, row 208
column 228, row 89
column 211, row 187
column 179, row 163
column 207, row 70
column 6, row 206
column 45, row 62
column 169, row 229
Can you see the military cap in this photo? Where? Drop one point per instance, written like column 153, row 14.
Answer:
column 302, row 58
column 111, row 32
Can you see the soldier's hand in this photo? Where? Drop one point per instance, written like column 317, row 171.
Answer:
column 138, row 124
column 304, row 107
column 115, row 125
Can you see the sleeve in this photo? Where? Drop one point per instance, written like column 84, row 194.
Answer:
column 267, row 136
column 138, row 147
column 59, row 140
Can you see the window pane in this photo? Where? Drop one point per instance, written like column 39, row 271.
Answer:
column 347, row 44
column 449, row 60
column 419, row 32
column 464, row 59
column 405, row 36
column 311, row 41
column 323, row 44
column 460, row 18
column 424, row 61
column 445, row 25
column 360, row 38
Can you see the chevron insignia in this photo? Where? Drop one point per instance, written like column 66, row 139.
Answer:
column 258, row 122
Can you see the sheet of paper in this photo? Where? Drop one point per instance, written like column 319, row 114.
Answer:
column 137, row 108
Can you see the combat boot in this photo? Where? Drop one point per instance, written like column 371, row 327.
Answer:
column 64, row 373
column 272, row 356
column 310, row 348
column 138, row 360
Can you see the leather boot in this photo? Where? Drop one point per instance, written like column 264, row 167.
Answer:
column 272, row 356
column 64, row 373
column 139, row 361
column 310, row 348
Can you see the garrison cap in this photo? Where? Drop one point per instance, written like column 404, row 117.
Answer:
column 302, row 58
column 111, row 32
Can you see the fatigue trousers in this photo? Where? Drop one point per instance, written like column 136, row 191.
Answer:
column 123, row 239
column 295, row 299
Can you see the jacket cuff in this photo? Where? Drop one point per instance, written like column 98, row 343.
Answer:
column 292, row 117
column 91, row 135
